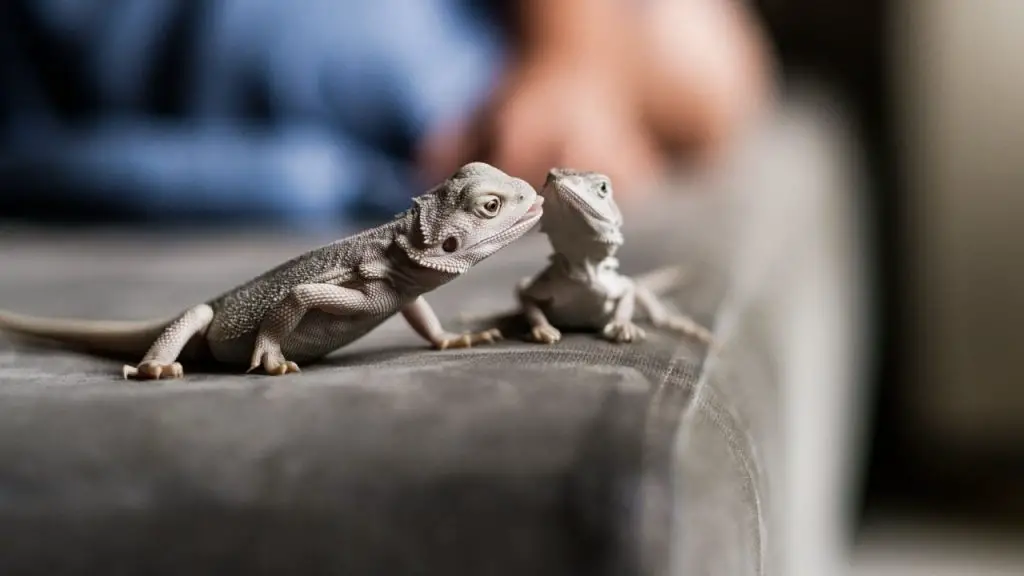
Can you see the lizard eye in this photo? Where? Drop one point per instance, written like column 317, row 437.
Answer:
column 490, row 207
column 450, row 245
column 602, row 191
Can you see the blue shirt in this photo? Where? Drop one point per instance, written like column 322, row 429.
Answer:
column 300, row 110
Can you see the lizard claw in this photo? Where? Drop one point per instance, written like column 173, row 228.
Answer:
column 468, row 339
column 491, row 336
column 152, row 370
column 282, row 368
column 620, row 332
column 276, row 366
column 546, row 334
column 272, row 360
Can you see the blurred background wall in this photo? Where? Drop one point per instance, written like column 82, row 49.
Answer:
column 960, row 91
column 937, row 92
column 950, row 429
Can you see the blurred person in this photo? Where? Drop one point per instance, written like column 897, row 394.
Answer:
column 624, row 87
column 311, row 110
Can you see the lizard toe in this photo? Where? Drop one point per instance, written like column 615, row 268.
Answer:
column 486, row 337
column 153, row 370
column 468, row 339
column 275, row 367
column 150, row 370
column 546, row 334
column 270, row 357
column 174, row 370
column 620, row 333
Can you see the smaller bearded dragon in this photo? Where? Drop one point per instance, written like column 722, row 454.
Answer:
column 582, row 289
column 328, row 297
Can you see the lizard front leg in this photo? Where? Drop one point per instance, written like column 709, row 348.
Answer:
column 621, row 328
column 661, row 317
column 424, row 321
column 160, row 360
column 529, row 296
column 286, row 316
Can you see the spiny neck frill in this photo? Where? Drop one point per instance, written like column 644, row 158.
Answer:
column 406, row 274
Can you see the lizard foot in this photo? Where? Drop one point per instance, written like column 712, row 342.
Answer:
column 275, row 366
column 545, row 334
column 620, row 332
column 272, row 360
column 468, row 339
column 688, row 326
column 152, row 370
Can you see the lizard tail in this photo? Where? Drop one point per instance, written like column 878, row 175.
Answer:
column 662, row 280
column 100, row 336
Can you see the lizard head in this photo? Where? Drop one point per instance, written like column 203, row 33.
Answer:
column 581, row 204
column 471, row 215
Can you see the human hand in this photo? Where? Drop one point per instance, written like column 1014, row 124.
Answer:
column 624, row 93
column 555, row 110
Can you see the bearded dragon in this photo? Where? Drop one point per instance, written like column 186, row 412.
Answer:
column 582, row 288
column 331, row 296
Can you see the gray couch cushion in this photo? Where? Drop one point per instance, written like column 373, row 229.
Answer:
column 388, row 458
column 580, row 458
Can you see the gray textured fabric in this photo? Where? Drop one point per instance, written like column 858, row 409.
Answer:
column 386, row 459
column 581, row 458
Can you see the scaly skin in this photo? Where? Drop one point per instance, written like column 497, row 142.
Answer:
column 329, row 297
column 581, row 288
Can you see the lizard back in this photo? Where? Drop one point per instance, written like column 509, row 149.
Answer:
column 239, row 311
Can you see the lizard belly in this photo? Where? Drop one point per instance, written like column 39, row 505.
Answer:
column 580, row 307
column 317, row 335
column 232, row 351
column 320, row 333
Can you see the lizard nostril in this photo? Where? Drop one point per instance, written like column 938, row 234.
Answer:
column 521, row 197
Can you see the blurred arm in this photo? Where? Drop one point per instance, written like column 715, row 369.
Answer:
column 574, row 27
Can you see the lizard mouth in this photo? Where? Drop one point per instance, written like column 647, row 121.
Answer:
column 534, row 212
column 535, row 209
column 570, row 197
column 528, row 219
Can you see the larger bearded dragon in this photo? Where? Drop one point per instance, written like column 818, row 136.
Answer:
column 329, row 297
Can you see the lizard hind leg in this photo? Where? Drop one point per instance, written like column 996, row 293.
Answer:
column 271, row 358
column 161, row 359
column 661, row 317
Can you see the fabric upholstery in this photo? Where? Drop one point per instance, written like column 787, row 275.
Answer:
column 387, row 458
column 390, row 458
